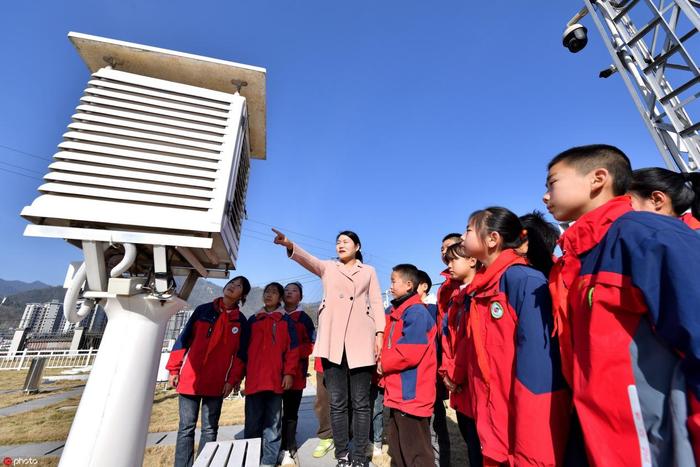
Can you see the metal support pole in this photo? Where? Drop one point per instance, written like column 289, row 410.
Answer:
column 111, row 424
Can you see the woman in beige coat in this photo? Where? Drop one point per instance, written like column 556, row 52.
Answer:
column 349, row 337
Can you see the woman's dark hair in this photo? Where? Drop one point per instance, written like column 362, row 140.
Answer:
column 278, row 286
column 682, row 188
column 542, row 236
column 511, row 230
column 355, row 239
column 246, row 287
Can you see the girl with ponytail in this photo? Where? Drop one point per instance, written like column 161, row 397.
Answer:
column 520, row 401
column 667, row 192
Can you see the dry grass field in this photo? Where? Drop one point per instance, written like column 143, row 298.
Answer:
column 52, row 423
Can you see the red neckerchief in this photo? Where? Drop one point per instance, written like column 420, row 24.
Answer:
column 690, row 221
column 445, row 292
column 220, row 306
column 295, row 314
column 581, row 237
column 274, row 314
column 487, row 278
column 219, row 334
column 485, row 283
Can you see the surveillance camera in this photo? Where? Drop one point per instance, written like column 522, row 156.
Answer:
column 575, row 37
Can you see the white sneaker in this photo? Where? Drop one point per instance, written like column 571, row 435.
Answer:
column 287, row 460
column 377, row 450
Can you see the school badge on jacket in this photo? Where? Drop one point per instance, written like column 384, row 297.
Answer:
column 496, row 310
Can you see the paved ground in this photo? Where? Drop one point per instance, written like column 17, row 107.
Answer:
column 40, row 403
column 306, row 432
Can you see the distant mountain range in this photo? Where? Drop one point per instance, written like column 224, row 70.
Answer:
column 15, row 287
column 17, row 294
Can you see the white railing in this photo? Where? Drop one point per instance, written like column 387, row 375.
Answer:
column 56, row 358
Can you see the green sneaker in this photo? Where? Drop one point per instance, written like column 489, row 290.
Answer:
column 324, row 446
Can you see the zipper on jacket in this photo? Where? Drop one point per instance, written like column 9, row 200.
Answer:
column 391, row 334
column 460, row 314
column 274, row 332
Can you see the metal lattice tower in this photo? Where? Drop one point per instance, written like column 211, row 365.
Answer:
column 649, row 42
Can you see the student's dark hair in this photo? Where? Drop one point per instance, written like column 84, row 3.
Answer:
column 454, row 251
column 246, row 287
column 409, row 273
column 356, row 240
column 277, row 286
column 542, row 236
column 587, row 158
column 452, row 235
column 424, row 278
column 682, row 188
column 509, row 227
column 535, row 223
column 298, row 286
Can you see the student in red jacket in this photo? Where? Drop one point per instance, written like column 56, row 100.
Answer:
column 626, row 301
column 449, row 285
column 408, row 365
column 439, row 434
column 291, row 398
column 520, row 401
column 667, row 192
column 206, row 363
column 452, row 371
column 273, row 361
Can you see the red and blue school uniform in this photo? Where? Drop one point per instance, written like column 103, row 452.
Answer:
column 520, row 401
column 291, row 399
column 306, row 335
column 409, row 368
column 626, row 301
column 691, row 221
column 273, row 351
column 454, row 357
column 409, row 362
column 444, row 294
column 211, row 350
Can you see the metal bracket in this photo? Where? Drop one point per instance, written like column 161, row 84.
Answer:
column 160, row 268
column 239, row 84
column 111, row 61
column 188, row 285
column 94, row 253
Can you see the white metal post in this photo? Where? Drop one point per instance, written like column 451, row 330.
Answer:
column 111, row 424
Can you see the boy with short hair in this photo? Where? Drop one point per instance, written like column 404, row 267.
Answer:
column 625, row 295
column 408, row 364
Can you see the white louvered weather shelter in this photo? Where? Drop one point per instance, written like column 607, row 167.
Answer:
column 156, row 153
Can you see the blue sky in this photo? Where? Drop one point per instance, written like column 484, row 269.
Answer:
column 395, row 119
